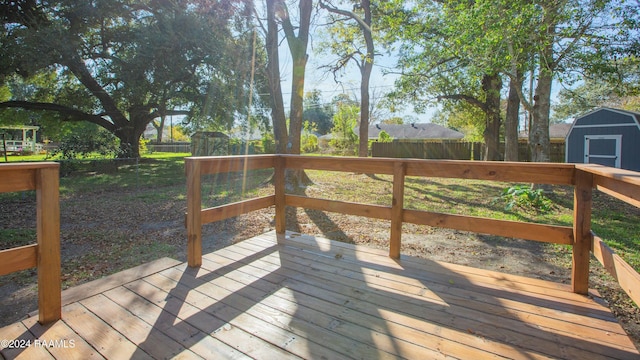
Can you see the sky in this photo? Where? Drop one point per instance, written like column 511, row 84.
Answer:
column 349, row 82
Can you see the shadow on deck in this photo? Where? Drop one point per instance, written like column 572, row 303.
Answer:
column 309, row 297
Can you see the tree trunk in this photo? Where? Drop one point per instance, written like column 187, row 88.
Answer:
column 491, row 85
column 298, row 48
column 365, row 71
column 511, row 123
column 129, row 142
column 299, row 55
column 273, row 74
column 363, row 132
column 160, row 128
column 539, row 141
column 139, row 118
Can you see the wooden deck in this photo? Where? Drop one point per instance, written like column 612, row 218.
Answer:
column 317, row 299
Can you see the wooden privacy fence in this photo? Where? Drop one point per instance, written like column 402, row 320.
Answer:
column 449, row 150
column 45, row 255
column 622, row 184
column 454, row 150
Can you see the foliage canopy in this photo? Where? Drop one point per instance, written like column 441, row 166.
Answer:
column 120, row 64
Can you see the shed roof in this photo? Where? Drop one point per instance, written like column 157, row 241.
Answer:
column 413, row 131
column 625, row 112
column 616, row 117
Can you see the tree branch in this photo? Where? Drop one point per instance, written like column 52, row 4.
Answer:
column 79, row 69
column 70, row 113
column 346, row 13
column 469, row 99
column 260, row 23
column 580, row 33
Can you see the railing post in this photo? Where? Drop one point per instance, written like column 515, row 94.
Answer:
column 582, row 201
column 279, row 184
column 397, row 206
column 48, row 235
column 194, row 213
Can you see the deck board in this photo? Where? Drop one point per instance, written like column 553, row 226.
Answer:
column 308, row 297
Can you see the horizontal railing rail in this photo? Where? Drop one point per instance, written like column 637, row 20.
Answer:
column 624, row 185
column 43, row 177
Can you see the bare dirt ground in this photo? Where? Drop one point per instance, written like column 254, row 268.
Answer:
column 103, row 233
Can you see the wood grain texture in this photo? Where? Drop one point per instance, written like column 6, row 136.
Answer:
column 194, row 213
column 109, row 282
column 301, row 297
column 21, row 176
column 620, row 183
column 543, row 173
column 17, row 180
column 515, row 229
column 48, row 234
column 222, row 212
column 444, row 302
column 347, row 164
column 342, row 207
column 626, row 276
column 397, row 209
column 582, row 204
column 540, row 173
column 20, row 258
column 280, row 200
column 224, row 164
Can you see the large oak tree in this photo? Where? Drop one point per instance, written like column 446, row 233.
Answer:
column 122, row 63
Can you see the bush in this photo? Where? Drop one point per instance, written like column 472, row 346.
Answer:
column 384, row 137
column 268, row 144
column 308, row 140
column 344, row 140
column 88, row 143
column 525, row 198
column 142, row 148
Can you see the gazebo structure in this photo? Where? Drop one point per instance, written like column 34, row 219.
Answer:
column 25, row 143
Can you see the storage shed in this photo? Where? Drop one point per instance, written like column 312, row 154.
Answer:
column 605, row 136
column 209, row 143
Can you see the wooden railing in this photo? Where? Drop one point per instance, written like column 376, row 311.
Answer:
column 624, row 185
column 45, row 255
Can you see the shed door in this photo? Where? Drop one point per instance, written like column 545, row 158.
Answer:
column 603, row 150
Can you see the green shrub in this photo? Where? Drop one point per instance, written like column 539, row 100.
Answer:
column 344, row 139
column 142, row 147
column 384, row 137
column 525, row 198
column 308, row 140
column 87, row 143
column 268, row 144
